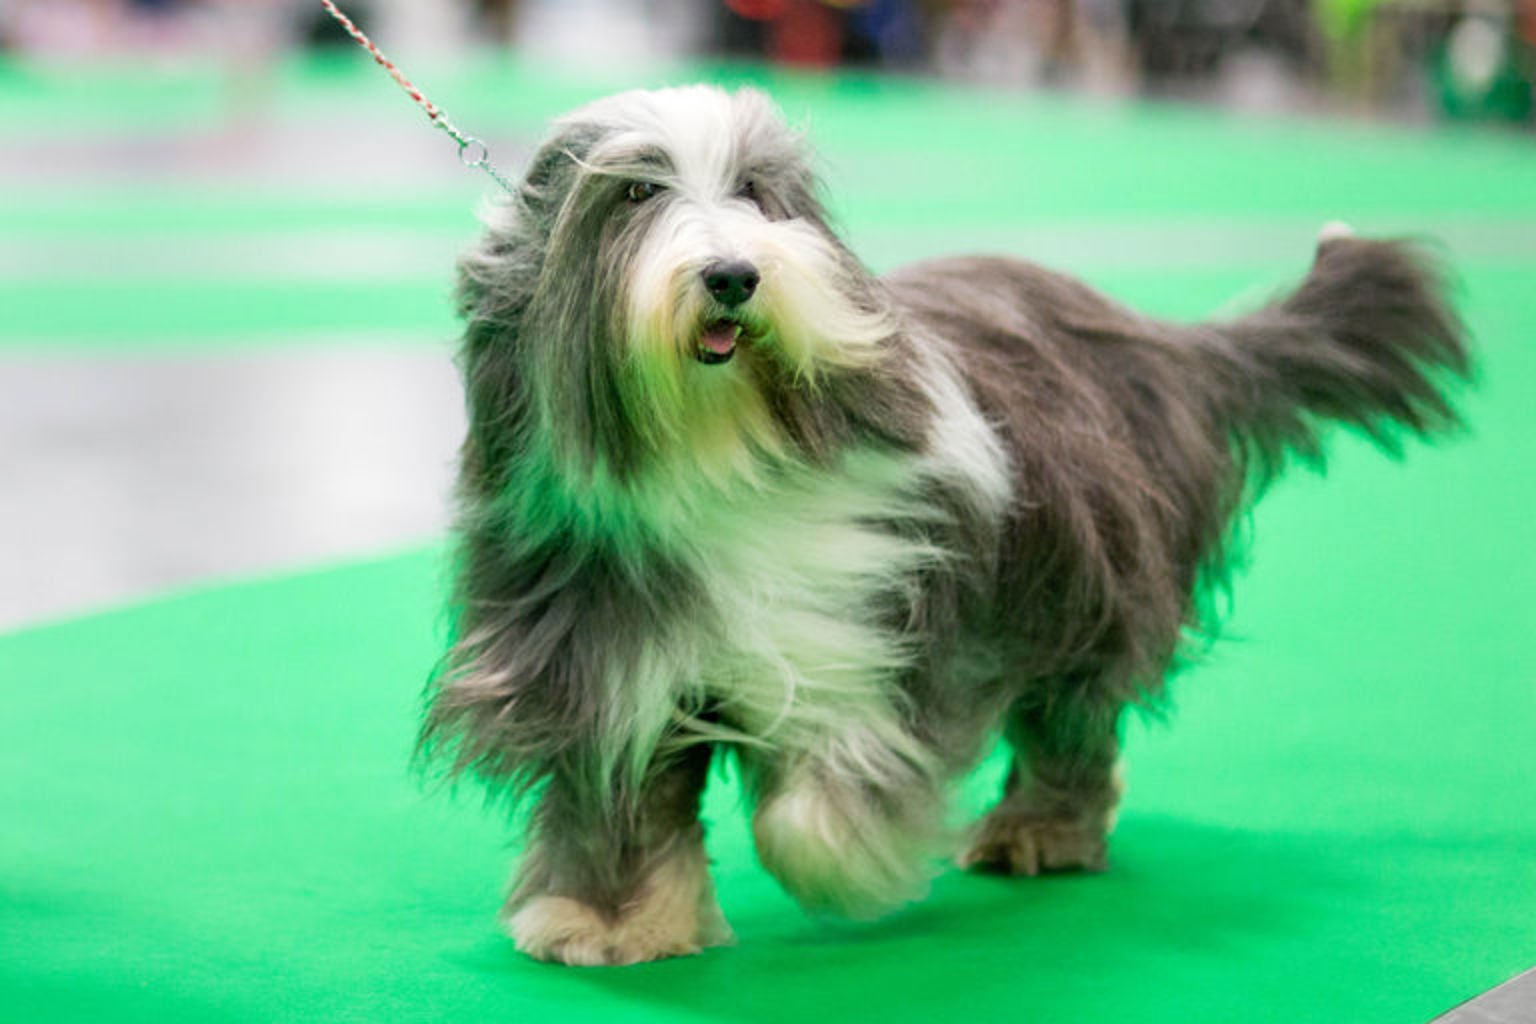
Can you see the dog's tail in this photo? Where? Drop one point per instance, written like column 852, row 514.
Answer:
column 1369, row 339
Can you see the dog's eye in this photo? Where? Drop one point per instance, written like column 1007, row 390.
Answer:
column 747, row 191
column 640, row 191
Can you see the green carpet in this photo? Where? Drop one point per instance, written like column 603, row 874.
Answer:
column 208, row 814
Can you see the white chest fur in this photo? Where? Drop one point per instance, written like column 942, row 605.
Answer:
column 801, row 581
column 797, row 646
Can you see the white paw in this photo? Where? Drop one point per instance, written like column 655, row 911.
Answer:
column 836, row 855
column 674, row 915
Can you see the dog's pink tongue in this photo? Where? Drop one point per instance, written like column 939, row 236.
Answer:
column 720, row 338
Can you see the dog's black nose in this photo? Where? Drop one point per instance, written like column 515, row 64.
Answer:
column 732, row 282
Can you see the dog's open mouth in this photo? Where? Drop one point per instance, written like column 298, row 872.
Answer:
column 717, row 342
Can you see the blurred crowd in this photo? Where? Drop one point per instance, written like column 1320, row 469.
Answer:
column 1465, row 59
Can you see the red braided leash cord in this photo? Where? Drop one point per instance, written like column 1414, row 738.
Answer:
column 472, row 151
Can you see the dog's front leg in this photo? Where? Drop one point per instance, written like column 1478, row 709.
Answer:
column 854, row 826
column 608, row 881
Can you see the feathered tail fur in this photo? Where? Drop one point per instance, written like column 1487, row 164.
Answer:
column 1368, row 339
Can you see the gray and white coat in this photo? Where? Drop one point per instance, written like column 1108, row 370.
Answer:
column 724, row 490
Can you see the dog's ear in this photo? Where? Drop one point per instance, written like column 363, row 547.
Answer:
column 498, row 278
column 476, row 274
column 498, row 273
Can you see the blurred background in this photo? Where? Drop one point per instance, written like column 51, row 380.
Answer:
column 226, row 238
column 1403, row 58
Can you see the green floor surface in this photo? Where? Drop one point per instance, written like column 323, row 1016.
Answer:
column 210, row 818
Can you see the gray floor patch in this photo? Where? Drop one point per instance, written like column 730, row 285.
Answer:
column 1513, row 1002
column 125, row 476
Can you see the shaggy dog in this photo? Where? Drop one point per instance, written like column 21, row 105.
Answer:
column 724, row 490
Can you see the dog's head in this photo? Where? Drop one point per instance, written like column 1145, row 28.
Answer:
column 662, row 281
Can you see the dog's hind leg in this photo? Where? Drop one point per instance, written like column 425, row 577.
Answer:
column 1059, row 799
column 605, row 886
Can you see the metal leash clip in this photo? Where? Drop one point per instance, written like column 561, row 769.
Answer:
column 473, row 153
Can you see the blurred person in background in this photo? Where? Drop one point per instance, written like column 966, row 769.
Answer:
column 811, row 33
column 1484, row 66
column 497, row 20
column 64, row 27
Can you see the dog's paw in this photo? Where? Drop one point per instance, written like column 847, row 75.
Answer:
column 836, row 856
column 1013, row 844
column 675, row 914
column 567, row 931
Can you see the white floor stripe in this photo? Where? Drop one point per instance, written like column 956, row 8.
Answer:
column 427, row 257
column 126, row 476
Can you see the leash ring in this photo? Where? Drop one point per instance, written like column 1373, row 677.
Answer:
column 473, row 153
